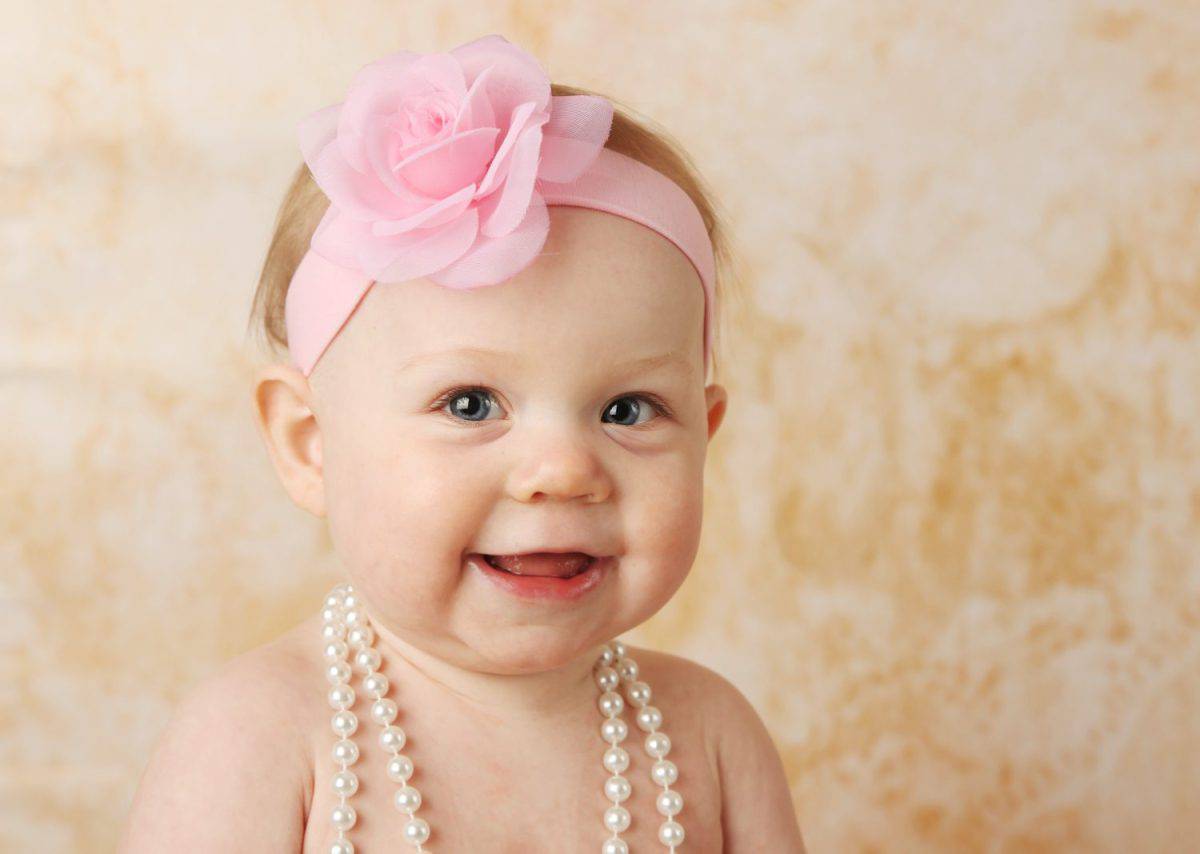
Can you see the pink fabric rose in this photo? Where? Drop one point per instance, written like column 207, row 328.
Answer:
column 432, row 161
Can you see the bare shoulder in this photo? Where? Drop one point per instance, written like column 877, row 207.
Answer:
column 683, row 690
column 757, row 812
column 232, row 764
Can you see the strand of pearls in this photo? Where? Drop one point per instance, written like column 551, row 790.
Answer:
column 346, row 632
column 346, row 628
column 614, row 667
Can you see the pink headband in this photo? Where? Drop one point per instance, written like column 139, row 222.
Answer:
column 441, row 166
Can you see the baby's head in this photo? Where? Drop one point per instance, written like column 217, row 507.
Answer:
column 435, row 419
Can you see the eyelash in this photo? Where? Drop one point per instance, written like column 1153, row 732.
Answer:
column 654, row 400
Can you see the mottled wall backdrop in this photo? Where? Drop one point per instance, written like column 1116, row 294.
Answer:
column 953, row 516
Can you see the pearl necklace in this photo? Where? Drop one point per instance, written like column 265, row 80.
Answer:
column 347, row 627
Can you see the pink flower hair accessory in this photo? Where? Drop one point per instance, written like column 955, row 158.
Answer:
column 442, row 165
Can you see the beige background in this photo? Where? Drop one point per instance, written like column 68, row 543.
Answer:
column 953, row 516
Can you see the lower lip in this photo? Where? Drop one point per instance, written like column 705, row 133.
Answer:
column 540, row 587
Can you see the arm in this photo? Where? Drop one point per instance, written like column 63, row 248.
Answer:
column 229, row 772
column 757, row 813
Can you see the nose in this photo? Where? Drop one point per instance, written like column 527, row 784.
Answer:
column 562, row 471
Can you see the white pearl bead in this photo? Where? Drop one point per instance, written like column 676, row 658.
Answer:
column 614, row 729
column 649, row 718
column 342, row 846
column 618, row 648
column 610, row 704
column 376, row 685
column 350, row 600
column 607, row 679
column 343, row 817
column 334, row 602
column 392, row 738
column 353, row 617
column 669, row 802
column 383, row 711
column 341, row 696
column 335, row 650
column 638, row 694
column 617, row 788
column 658, row 744
column 337, row 672
column 360, row 636
column 408, row 799
column 614, row 846
column 345, row 752
column 627, row 669
column 616, row 818
column 367, row 660
column 335, row 630
column 607, row 657
column 344, row 723
column 670, row 833
column 616, row 759
column 345, row 783
column 663, row 772
column 399, row 768
column 416, row 830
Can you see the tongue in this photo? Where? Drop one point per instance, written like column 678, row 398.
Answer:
column 558, row 565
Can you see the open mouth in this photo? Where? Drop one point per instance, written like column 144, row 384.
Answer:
column 545, row 576
column 542, row 564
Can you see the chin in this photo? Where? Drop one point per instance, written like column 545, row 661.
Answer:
column 531, row 649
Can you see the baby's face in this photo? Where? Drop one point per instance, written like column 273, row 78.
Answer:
column 504, row 419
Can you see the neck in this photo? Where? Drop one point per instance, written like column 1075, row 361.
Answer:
column 547, row 695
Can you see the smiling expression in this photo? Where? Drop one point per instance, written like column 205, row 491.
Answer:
column 566, row 405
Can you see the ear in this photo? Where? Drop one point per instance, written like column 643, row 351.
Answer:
column 715, row 399
column 283, row 414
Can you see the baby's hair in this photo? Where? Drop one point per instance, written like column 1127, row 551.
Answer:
column 304, row 204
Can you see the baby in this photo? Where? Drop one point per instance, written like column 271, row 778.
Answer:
column 499, row 338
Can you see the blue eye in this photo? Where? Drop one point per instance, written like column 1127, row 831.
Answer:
column 635, row 404
column 460, row 402
column 471, row 404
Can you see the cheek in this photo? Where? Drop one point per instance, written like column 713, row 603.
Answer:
column 663, row 530
column 399, row 515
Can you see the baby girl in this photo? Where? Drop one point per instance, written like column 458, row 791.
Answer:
column 497, row 296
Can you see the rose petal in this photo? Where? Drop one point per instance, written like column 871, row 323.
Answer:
column 378, row 75
column 449, row 164
column 337, row 237
column 476, row 110
column 376, row 145
column 494, row 259
column 316, row 130
column 358, row 195
column 515, row 78
column 434, row 215
column 424, row 255
column 579, row 126
column 378, row 89
column 515, row 194
column 522, row 117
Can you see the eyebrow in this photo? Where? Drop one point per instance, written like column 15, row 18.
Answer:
column 634, row 366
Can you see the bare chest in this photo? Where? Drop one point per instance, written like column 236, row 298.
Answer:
column 480, row 799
